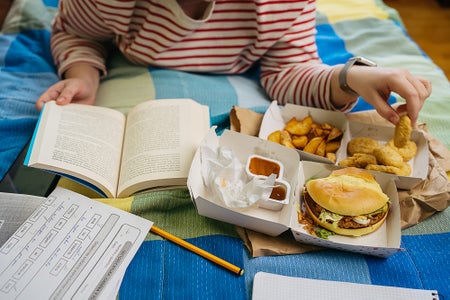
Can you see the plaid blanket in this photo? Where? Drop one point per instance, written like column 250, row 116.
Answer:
column 163, row 270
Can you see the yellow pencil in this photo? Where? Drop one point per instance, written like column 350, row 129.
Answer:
column 197, row 250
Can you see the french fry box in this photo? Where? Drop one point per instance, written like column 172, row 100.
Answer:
column 268, row 219
column 276, row 118
column 382, row 134
column 383, row 242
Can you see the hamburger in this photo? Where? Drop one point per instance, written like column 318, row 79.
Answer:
column 347, row 202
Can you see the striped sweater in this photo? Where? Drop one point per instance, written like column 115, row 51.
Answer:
column 231, row 37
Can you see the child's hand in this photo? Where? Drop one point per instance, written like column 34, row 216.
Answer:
column 80, row 86
column 376, row 84
column 66, row 91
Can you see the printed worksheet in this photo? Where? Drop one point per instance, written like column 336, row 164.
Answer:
column 14, row 210
column 71, row 247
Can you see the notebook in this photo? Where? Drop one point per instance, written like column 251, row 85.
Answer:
column 273, row 286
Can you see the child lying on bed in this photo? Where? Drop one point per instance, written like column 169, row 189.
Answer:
column 222, row 37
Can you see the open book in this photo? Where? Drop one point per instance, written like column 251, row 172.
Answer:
column 116, row 154
column 273, row 286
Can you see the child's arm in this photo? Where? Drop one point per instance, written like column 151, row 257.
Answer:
column 80, row 36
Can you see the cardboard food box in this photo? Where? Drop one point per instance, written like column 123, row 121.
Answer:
column 271, row 222
column 384, row 242
column 275, row 118
column 382, row 134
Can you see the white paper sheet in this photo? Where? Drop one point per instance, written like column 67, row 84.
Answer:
column 70, row 247
column 267, row 286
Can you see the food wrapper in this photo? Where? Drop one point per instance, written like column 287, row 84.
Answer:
column 225, row 177
column 428, row 197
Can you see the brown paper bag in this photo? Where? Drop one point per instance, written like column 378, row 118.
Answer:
column 430, row 196
column 245, row 121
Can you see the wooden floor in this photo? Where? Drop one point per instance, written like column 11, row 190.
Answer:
column 427, row 22
column 4, row 7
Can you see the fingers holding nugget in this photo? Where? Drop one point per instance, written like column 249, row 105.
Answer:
column 402, row 131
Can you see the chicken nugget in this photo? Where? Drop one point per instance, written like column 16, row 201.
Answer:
column 403, row 170
column 388, row 156
column 362, row 145
column 359, row 160
column 347, row 162
column 402, row 133
column 364, row 159
column 407, row 152
column 383, row 168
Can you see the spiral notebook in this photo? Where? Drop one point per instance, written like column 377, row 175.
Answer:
column 272, row 286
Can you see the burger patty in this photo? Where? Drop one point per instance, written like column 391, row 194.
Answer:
column 346, row 221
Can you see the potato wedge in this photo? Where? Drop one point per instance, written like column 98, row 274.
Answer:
column 275, row 136
column 321, row 149
column 331, row 156
column 300, row 141
column 301, row 127
column 313, row 144
column 332, row 146
column 286, row 140
column 334, row 134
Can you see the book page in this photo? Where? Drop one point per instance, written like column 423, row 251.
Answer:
column 70, row 247
column 160, row 141
column 273, row 286
column 82, row 141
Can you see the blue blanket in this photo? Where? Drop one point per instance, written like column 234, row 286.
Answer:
column 163, row 270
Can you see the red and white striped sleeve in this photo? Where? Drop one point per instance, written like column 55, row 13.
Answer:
column 79, row 35
column 291, row 71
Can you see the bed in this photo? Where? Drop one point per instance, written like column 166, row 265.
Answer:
column 161, row 269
